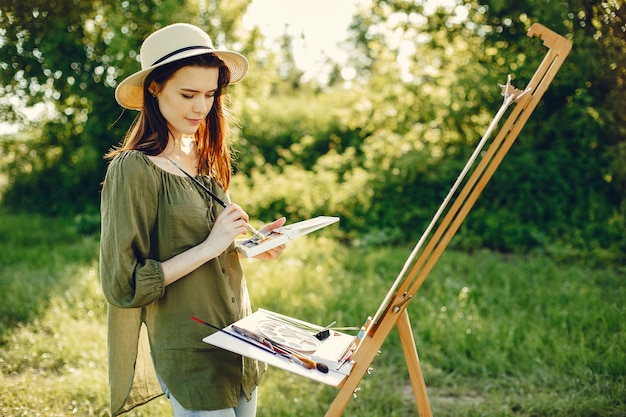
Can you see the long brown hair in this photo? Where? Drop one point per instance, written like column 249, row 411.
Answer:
column 149, row 132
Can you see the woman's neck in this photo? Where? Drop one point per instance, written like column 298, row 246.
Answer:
column 183, row 152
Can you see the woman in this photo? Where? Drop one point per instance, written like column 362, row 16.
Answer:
column 167, row 250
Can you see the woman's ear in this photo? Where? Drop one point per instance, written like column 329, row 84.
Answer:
column 153, row 88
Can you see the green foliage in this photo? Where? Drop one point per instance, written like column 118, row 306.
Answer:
column 514, row 336
column 381, row 149
column 559, row 181
column 70, row 56
column 386, row 165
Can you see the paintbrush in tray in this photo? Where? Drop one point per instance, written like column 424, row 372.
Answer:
column 269, row 346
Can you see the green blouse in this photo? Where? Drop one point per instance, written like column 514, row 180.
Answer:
column 149, row 216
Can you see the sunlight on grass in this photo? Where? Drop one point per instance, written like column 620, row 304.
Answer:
column 56, row 365
column 500, row 336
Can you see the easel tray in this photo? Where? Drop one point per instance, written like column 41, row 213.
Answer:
column 333, row 351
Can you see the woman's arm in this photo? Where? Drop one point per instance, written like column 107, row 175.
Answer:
column 128, row 208
column 230, row 223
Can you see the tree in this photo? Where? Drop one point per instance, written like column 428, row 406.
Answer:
column 564, row 178
column 71, row 55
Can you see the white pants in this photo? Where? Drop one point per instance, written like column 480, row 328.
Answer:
column 245, row 408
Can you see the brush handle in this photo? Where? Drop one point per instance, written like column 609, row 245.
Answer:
column 216, row 198
column 194, row 179
column 262, row 343
column 305, row 360
column 259, row 345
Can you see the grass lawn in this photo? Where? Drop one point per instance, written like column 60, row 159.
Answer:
column 497, row 335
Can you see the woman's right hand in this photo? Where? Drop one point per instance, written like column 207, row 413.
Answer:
column 230, row 223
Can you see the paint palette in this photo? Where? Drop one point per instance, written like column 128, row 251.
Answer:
column 254, row 246
column 287, row 335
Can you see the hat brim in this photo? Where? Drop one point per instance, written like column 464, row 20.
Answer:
column 129, row 93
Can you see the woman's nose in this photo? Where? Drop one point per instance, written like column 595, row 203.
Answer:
column 200, row 105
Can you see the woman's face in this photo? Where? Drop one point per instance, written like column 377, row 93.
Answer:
column 187, row 97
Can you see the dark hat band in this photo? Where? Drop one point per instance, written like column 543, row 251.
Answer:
column 178, row 51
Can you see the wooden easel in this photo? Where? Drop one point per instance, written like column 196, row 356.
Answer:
column 393, row 309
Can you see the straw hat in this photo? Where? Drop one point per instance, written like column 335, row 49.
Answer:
column 169, row 44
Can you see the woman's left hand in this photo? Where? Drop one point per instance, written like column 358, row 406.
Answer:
column 278, row 250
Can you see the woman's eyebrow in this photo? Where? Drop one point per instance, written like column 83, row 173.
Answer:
column 192, row 90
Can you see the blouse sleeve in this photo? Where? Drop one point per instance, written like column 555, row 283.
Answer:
column 128, row 208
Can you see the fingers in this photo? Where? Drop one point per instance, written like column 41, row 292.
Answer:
column 237, row 217
column 240, row 226
column 231, row 222
column 271, row 254
column 240, row 218
column 274, row 225
column 278, row 251
column 236, row 212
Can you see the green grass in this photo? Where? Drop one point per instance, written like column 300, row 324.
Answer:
column 497, row 336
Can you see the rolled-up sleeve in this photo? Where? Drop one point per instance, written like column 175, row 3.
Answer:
column 129, row 206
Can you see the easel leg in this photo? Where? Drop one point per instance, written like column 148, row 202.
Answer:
column 413, row 364
column 350, row 385
column 367, row 355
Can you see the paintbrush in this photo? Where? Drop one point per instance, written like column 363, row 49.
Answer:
column 267, row 346
column 303, row 359
column 219, row 201
column 261, row 346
